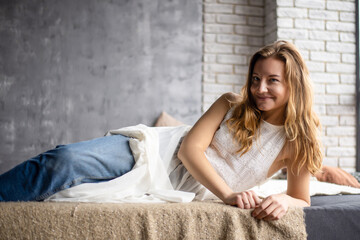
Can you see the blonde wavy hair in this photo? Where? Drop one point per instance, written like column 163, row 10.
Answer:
column 301, row 123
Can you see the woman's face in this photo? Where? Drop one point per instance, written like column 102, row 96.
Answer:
column 269, row 89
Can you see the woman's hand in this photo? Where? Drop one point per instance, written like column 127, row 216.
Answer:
column 273, row 207
column 244, row 200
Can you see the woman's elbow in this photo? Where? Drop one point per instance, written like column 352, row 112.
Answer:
column 187, row 151
column 181, row 153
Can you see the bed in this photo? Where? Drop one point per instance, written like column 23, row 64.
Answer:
column 329, row 217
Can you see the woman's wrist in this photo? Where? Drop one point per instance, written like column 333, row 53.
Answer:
column 226, row 195
column 295, row 201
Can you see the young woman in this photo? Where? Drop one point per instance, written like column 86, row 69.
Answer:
column 272, row 126
column 237, row 144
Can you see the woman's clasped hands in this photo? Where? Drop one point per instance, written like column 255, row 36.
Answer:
column 273, row 207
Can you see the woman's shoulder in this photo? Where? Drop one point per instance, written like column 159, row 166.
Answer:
column 223, row 104
column 232, row 97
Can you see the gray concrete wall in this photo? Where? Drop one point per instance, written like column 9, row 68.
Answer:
column 71, row 70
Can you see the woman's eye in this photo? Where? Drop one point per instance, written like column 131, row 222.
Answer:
column 273, row 80
column 255, row 79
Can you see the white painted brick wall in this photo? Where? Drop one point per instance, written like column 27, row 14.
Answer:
column 340, row 131
column 249, row 11
column 230, row 18
column 309, row 24
column 341, row 5
column 348, row 58
column 233, row 31
column 347, row 121
column 285, row 22
column 285, row 3
column 323, row 99
column 231, row 38
column 346, row 162
column 325, row 56
column 347, row 99
column 310, row 45
column 324, row 32
column 340, row 26
column 347, row 16
column 317, row 4
column 323, row 35
column 292, row 12
column 340, row 89
column 323, row 14
column 340, row 109
column 348, row 78
column 330, row 141
column 324, row 77
column 342, row 151
column 330, row 161
column 329, row 120
column 348, row 141
column 340, row 47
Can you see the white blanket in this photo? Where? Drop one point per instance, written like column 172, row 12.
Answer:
column 148, row 181
column 275, row 186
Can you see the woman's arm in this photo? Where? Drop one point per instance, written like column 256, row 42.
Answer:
column 275, row 206
column 192, row 149
column 192, row 155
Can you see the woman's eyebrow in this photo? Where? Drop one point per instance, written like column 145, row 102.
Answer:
column 271, row 75
column 274, row 75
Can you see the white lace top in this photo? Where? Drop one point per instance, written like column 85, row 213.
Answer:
column 240, row 173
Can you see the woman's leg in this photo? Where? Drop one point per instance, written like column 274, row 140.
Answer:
column 66, row 166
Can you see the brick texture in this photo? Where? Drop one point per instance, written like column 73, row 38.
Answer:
column 233, row 31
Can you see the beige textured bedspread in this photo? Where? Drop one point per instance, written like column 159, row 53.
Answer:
column 196, row 220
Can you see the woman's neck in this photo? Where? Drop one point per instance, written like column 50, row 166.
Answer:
column 274, row 118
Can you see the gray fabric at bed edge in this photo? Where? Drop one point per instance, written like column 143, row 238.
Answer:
column 333, row 217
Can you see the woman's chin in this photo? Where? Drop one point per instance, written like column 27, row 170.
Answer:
column 263, row 108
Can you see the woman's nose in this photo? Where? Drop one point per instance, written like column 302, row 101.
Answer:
column 262, row 87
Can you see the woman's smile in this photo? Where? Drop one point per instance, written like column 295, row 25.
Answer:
column 263, row 98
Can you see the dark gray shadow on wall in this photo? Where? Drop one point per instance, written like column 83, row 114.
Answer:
column 71, row 70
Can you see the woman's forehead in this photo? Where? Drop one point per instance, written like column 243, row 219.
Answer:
column 269, row 66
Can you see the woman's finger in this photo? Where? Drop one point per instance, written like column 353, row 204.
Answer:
column 256, row 198
column 239, row 201
column 274, row 215
column 266, row 211
column 281, row 214
column 245, row 200
column 251, row 200
column 261, row 207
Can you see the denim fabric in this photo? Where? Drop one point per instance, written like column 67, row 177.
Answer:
column 65, row 166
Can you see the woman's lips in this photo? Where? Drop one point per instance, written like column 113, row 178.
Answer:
column 263, row 98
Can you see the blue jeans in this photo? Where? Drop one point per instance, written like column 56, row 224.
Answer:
column 65, row 166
